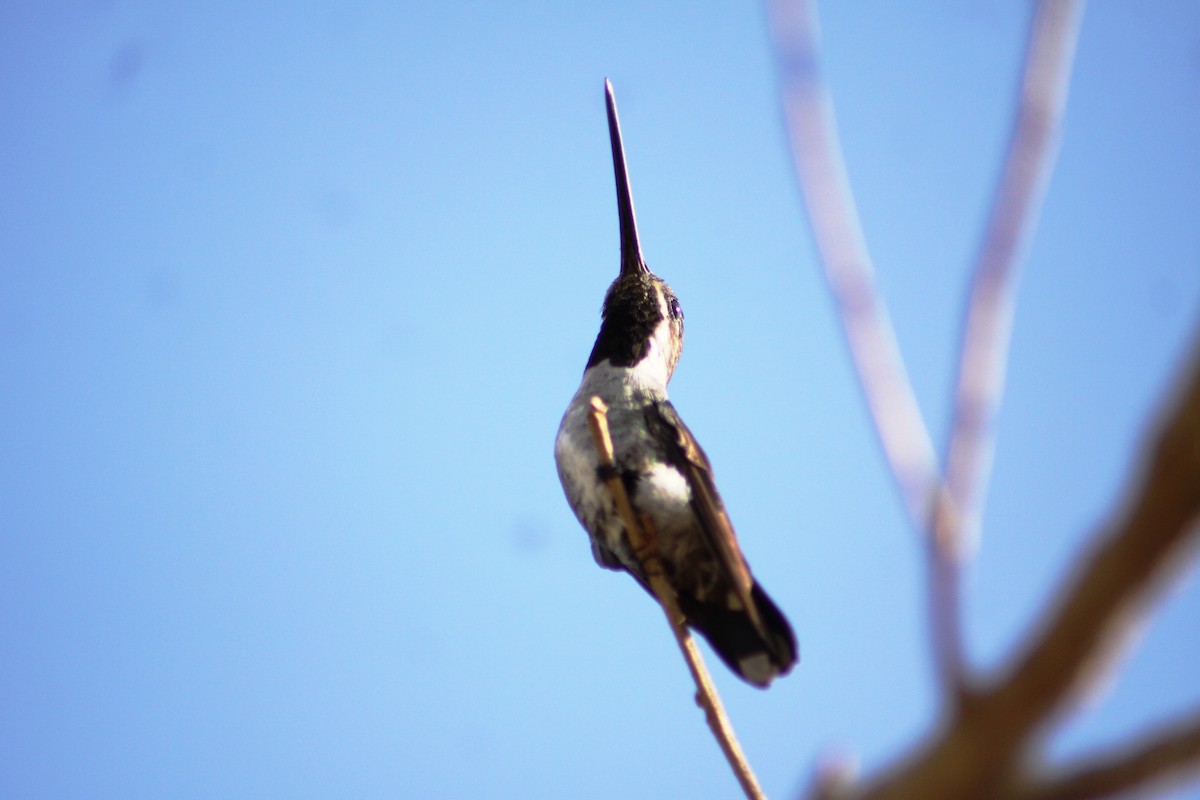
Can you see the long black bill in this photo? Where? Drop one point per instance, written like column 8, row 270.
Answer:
column 631, row 251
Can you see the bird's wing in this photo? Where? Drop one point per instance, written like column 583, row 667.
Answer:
column 687, row 455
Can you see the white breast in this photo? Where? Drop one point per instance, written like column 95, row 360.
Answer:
column 626, row 392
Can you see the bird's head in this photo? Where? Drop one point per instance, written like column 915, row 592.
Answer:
column 643, row 323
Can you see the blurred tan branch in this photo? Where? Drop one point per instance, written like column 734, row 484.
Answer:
column 1160, row 758
column 641, row 539
column 987, row 747
column 1115, row 583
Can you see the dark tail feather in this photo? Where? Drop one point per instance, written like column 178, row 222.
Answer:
column 734, row 638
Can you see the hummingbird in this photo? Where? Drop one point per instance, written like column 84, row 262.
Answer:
column 666, row 474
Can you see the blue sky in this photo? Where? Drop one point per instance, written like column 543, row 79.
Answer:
column 294, row 297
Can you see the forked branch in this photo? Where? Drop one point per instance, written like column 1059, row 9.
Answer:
column 992, row 729
column 947, row 510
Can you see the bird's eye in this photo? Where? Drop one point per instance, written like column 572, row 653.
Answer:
column 676, row 311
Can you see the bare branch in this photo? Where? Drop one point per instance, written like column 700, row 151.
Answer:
column 641, row 539
column 837, row 231
column 986, row 736
column 945, row 514
column 1033, row 145
column 979, row 749
column 1157, row 759
column 1115, row 583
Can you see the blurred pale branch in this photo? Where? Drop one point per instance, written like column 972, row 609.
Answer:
column 837, row 231
column 944, row 509
column 984, row 352
column 992, row 727
column 641, row 539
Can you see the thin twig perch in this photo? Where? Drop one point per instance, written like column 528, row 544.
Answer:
column 641, row 539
